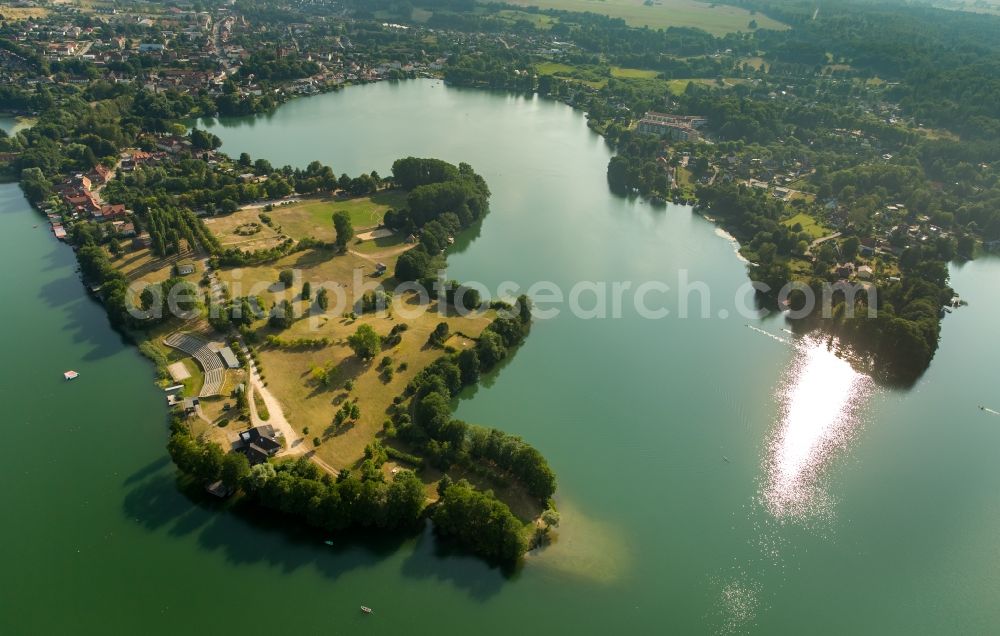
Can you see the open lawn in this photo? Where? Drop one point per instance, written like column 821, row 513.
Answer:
column 22, row 13
column 572, row 73
column 288, row 372
column 314, row 217
column 810, row 225
column 715, row 18
column 755, row 63
column 538, row 20
column 632, row 73
column 243, row 229
column 678, row 86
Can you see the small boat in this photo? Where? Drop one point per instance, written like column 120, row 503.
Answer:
column 366, row 609
column 328, row 542
column 71, row 375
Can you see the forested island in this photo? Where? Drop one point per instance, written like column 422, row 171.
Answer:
column 97, row 164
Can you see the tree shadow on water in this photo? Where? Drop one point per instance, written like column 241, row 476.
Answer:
column 435, row 558
column 245, row 535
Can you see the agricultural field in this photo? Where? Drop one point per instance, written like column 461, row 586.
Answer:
column 660, row 14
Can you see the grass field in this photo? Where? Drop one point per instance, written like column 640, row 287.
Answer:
column 314, row 217
column 716, row 19
column 22, row 13
column 632, row 73
column 678, row 86
column 225, row 229
column 573, row 73
column 539, row 21
column 288, row 372
column 810, row 225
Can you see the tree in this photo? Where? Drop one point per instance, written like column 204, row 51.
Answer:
column 480, row 521
column 413, row 265
column 282, row 315
column 850, row 248
column 235, row 468
column 36, row 187
column 286, row 277
column 306, row 291
column 365, row 342
column 323, row 298
column 345, row 231
column 439, row 335
column 468, row 363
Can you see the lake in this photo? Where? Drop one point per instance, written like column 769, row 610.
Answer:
column 716, row 474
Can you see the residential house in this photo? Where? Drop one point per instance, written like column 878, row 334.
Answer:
column 259, row 444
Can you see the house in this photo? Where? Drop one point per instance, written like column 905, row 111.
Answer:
column 679, row 127
column 110, row 211
column 184, row 268
column 258, row 444
column 189, row 405
column 150, row 47
column 380, row 269
column 865, row 272
column 99, row 174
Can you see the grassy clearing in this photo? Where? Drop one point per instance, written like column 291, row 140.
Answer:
column 756, row 63
column 632, row 73
column 573, row 73
column 537, row 20
column 380, row 245
column 810, row 225
column 22, row 13
column 289, row 372
column 678, row 86
column 314, row 217
column 716, row 19
column 684, row 177
column 227, row 230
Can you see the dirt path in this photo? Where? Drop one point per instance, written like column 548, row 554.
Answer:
column 295, row 445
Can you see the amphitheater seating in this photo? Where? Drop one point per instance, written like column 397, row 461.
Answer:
column 209, row 360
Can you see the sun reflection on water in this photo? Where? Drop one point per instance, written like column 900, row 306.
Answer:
column 820, row 401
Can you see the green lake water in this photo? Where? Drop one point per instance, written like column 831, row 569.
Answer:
column 713, row 478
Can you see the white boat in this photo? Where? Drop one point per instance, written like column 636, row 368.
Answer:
column 71, row 375
column 366, row 609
